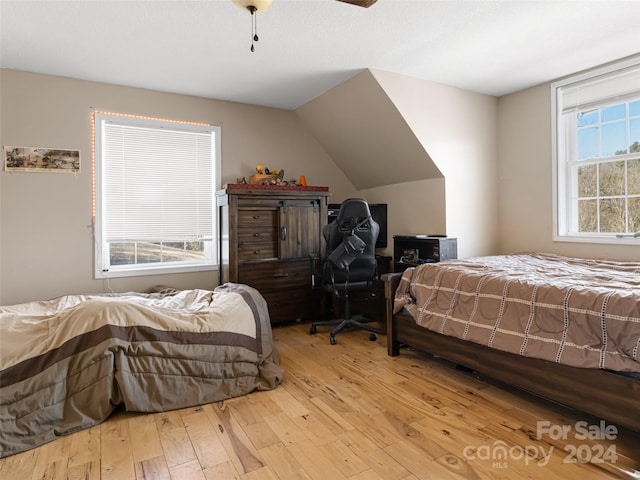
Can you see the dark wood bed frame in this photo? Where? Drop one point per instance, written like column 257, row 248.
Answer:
column 599, row 393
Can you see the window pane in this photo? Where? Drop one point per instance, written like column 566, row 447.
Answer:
column 587, row 143
column 634, row 108
column 121, row 253
column 614, row 139
column 587, row 118
column 633, row 177
column 173, row 251
column 195, row 250
column 588, row 215
column 612, row 180
column 612, row 215
column 149, row 252
column 634, row 132
column 634, row 215
column 614, row 112
column 587, row 181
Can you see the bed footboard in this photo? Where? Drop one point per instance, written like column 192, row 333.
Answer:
column 391, row 281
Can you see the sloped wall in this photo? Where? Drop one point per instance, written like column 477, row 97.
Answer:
column 365, row 134
column 427, row 149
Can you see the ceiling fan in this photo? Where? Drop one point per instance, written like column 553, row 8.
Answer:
column 255, row 6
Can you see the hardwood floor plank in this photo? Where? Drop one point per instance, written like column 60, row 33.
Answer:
column 116, row 456
column 187, row 471
column 344, row 458
column 152, row 469
column 285, row 428
column 225, row 470
column 85, row 471
column 264, row 473
column 315, row 461
column 19, row 466
column 176, row 444
column 261, row 434
column 202, row 434
column 375, row 430
column 85, row 447
column 145, row 438
column 373, row 456
column 235, row 441
column 283, row 463
column 250, row 409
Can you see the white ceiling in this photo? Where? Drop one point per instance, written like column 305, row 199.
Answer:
column 201, row 47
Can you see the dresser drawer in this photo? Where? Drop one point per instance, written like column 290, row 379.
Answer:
column 257, row 217
column 257, row 249
column 292, row 304
column 265, row 276
column 257, row 234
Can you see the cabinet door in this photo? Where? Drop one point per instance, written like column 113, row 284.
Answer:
column 300, row 229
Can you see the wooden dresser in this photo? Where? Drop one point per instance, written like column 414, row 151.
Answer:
column 268, row 236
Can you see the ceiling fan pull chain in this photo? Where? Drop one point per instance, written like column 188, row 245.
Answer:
column 254, row 32
column 255, row 27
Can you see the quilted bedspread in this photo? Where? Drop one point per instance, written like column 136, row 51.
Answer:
column 66, row 363
column 579, row 312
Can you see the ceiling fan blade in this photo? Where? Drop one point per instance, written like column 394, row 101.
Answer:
column 360, row 3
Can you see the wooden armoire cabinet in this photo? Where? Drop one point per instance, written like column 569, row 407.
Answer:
column 268, row 237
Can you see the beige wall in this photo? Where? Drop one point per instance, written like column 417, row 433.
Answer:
column 525, row 181
column 458, row 130
column 46, row 246
column 495, row 155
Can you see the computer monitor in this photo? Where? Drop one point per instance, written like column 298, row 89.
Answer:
column 379, row 214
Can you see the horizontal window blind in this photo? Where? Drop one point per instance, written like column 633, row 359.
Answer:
column 595, row 92
column 157, row 184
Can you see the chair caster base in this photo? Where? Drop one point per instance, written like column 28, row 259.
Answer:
column 332, row 339
column 373, row 337
column 313, row 330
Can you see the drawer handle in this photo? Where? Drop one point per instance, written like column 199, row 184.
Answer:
column 280, row 274
column 257, row 252
column 256, row 234
column 256, row 217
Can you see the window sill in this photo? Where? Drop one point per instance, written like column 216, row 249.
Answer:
column 605, row 240
column 152, row 270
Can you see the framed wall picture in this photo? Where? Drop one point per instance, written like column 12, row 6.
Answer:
column 39, row 159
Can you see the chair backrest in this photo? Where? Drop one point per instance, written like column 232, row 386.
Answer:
column 354, row 218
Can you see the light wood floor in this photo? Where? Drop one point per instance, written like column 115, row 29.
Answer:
column 343, row 411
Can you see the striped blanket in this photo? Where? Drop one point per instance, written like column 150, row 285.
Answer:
column 66, row 363
column 579, row 312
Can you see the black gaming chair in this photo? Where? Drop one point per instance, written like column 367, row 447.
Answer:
column 350, row 263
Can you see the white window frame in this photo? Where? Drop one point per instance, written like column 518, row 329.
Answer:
column 563, row 206
column 102, row 267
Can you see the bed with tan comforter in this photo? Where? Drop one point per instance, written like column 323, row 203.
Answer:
column 65, row 364
column 578, row 312
column 565, row 329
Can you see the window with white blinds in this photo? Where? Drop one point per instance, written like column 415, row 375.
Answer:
column 596, row 118
column 154, row 195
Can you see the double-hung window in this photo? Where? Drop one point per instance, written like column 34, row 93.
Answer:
column 596, row 130
column 154, row 187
